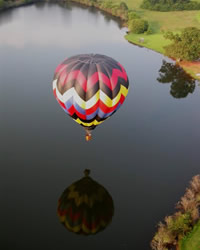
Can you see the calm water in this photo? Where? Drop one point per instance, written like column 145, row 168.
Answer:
column 144, row 155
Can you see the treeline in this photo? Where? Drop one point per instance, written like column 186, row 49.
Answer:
column 134, row 22
column 170, row 5
column 177, row 226
column 4, row 4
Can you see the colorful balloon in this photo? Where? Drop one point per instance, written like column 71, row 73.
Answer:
column 90, row 88
column 85, row 207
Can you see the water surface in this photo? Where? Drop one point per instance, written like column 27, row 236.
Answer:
column 144, row 155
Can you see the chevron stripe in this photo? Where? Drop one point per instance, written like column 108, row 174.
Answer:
column 77, row 220
column 88, row 83
column 85, row 85
column 100, row 110
column 91, row 91
column 90, row 103
column 86, row 124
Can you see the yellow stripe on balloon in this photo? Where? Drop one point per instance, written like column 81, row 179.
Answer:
column 95, row 122
column 88, row 104
column 62, row 218
column 124, row 90
column 75, row 229
column 79, row 199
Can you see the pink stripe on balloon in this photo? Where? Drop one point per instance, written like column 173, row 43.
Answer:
column 103, row 78
column 123, row 72
column 92, row 80
column 60, row 67
column 63, row 77
column 78, row 75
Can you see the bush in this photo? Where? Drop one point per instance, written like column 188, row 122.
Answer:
column 138, row 26
column 132, row 15
column 123, row 6
column 107, row 4
column 149, row 31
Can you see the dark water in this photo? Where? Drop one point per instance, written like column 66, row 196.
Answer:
column 144, row 155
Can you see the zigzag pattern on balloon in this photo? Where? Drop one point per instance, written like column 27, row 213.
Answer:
column 99, row 105
column 87, row 87
column 90, row 88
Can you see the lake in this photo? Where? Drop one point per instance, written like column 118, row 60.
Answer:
column 144, row 155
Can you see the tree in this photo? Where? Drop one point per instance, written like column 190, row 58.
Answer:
column 179, row 224
column 185, row 46
column 138, row 25
column 163, row 239
column 123, row 6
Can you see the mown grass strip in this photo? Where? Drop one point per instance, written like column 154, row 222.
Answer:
column 155, row 41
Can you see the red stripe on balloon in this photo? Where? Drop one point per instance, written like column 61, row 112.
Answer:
column 73, row 110
column 62, row 212
column 122, row 99
column 75, row 216
column 61, row 103
column 124, row 72
column 92, row 109
column 107, row 109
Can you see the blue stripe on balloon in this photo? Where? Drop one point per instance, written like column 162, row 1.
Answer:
column 69, row 103
column 91, row 116
column 66, row 111
column 79, row 109
column 118, row 106
column 104, row 115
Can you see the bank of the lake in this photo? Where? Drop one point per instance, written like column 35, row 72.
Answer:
column 4, row 5
column 182, row 229
column 154, row 41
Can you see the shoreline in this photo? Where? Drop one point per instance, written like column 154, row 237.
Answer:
column 191, row 68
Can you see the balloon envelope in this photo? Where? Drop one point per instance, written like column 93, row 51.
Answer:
column 85, row 207
column 90, row 88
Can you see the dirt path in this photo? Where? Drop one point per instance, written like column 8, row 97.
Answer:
column 193, row 68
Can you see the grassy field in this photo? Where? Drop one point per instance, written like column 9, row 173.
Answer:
column 192, row 242
column 174, row 20
column 162, row 21
column 154, row 42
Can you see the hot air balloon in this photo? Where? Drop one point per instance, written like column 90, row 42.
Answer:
column 85, row 207
column 90, row 88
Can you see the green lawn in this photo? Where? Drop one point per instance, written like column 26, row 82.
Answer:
column 154, row 41
column 198, row 17
column 162, row 21
column 173, row 20
column 192, row 241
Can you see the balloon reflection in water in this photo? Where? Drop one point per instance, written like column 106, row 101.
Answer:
column 85, row 207
column 90, row 88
